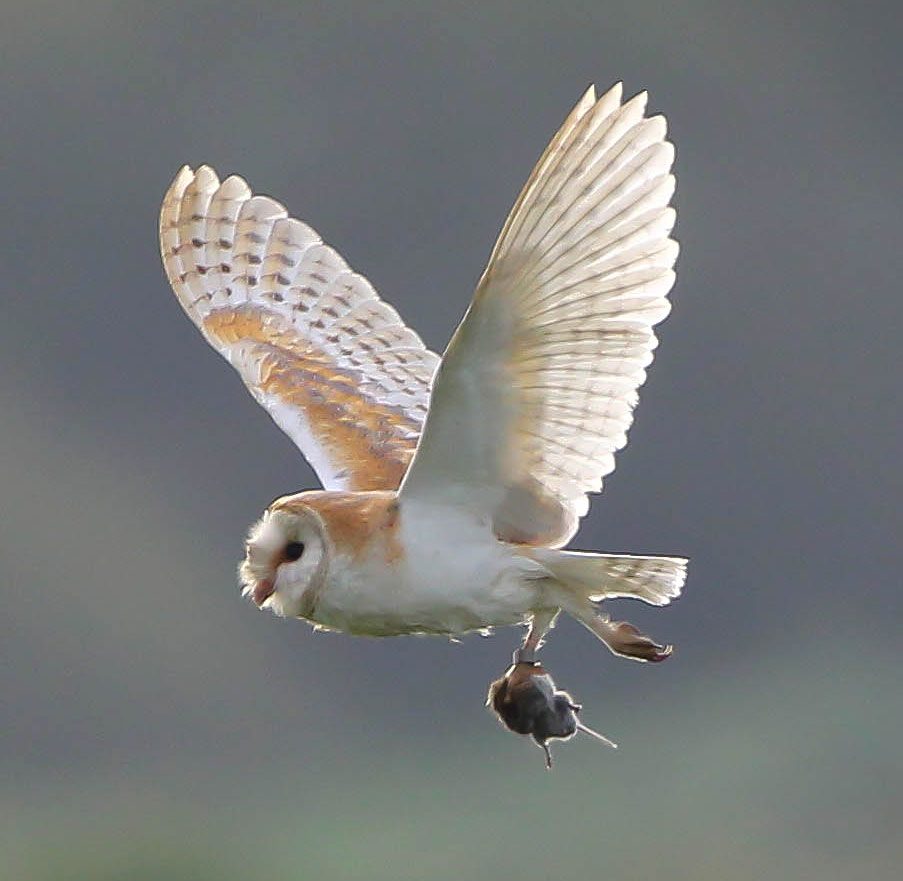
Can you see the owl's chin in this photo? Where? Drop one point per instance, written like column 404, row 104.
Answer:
column 262, row 591
column 284, row 606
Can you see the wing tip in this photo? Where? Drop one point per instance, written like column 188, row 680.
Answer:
column 235, row 187
column 613, row 92
column 184, row 176
column 206, row 178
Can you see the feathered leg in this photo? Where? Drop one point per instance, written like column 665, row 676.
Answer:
column 620, row 636
column 541, row 623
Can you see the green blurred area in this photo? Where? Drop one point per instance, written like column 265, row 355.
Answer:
column 762, row 772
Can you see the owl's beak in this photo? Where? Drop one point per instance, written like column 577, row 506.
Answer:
column 263, row 590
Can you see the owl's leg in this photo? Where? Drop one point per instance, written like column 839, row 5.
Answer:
column 623, row 639
column 541, row 623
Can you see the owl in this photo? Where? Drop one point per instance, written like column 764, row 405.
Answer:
column 450, row 485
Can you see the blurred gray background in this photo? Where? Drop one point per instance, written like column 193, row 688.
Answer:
column 154, row 726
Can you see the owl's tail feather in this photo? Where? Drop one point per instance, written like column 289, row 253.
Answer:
column 654, row 580
column 579, row 580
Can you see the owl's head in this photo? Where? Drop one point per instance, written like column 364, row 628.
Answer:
column 285, row 560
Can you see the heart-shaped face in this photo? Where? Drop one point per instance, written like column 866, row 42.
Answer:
column 286, row 559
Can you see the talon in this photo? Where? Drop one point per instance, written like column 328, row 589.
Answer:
column 666, row 652
column 629, row 641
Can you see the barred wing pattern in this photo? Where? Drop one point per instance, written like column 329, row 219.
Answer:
column 333, row 364
column 537, row 388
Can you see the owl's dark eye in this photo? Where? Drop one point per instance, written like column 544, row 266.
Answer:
column 293, row 551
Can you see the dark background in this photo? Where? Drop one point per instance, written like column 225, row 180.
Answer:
column 155, row 727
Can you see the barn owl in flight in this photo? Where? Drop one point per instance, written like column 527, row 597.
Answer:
column 452, row 484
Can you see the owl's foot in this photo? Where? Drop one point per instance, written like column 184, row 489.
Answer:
column 629, row 641
column 624, row 639
column 527, row 702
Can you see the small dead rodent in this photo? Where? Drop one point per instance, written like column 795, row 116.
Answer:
column 527, row 702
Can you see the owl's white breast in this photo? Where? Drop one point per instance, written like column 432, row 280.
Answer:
column 438, row 572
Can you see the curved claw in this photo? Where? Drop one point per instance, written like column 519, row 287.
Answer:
column 628, row 641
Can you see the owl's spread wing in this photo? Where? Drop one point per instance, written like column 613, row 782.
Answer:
column 333, row 364
column 536, row 390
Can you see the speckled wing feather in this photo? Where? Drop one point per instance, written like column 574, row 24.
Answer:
column 536, row 390
column 333, row 364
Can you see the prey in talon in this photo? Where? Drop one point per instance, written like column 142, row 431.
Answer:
column 528, row 702
column 451, row 485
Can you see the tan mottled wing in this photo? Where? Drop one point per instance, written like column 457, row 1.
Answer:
column 536, row 390
column 333, row 364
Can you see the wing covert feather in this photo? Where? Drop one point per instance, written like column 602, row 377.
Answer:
column 333, row 364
